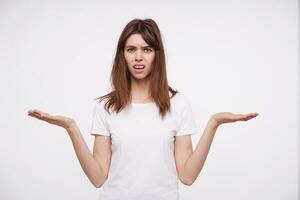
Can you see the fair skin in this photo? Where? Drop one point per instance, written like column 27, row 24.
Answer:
column 188, row 162
column 138, row 52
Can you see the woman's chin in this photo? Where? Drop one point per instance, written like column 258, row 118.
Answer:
column 139, row 76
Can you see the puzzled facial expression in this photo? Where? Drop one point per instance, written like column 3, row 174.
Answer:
column 139, row 56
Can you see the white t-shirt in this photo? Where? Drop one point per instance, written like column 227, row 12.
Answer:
column 142, row 164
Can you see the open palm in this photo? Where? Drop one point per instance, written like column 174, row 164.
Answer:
column 58, row 120
column 227, row 117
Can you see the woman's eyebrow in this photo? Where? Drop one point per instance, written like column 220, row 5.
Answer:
column 129, row 46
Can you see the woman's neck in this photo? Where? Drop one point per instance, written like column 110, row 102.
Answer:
column 140, row 91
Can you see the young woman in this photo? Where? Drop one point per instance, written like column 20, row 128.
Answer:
column 142, row 127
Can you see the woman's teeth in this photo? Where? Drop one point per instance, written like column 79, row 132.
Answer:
column 139, row 66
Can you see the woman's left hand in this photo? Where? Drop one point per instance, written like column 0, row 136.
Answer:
column 227, row 117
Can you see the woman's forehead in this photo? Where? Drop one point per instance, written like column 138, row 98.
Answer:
column 136, row 40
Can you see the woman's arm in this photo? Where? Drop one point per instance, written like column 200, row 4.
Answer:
column 96, row 172
column 196, row 160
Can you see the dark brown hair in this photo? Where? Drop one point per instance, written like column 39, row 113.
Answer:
column 120, row 79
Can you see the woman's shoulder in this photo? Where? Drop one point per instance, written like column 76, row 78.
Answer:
column 179, row 100
column 100, row 105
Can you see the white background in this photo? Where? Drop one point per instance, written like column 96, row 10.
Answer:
column 237, row 56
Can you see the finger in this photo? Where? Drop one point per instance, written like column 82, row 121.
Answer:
column 38, row 111
column 30, row 111
column 36, row 116
column 245, row 116
column 35, row 112
column 250, row 117
column 239, row 117
column 42, row 116
column 253, row 114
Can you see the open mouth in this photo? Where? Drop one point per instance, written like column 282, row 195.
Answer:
column 139, row 66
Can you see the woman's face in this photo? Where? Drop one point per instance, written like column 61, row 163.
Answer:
column 139, row 56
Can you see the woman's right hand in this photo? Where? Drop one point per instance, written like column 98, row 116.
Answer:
column 58, row 120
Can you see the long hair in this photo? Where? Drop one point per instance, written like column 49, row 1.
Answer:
column 120, row 77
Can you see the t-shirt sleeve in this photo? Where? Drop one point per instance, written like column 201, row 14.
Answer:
column 186, row 121
column 99, row 122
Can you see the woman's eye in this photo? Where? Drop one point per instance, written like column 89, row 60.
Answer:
column 130, row 50
column 148, row 50
column 145, row 50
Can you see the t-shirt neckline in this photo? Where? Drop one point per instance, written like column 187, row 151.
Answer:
column 142, row 104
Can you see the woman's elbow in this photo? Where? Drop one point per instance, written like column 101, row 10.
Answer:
column 187, row 182
column 99, row 182
column 97, row 185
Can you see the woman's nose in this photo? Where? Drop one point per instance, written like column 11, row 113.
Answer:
column 138, row 56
